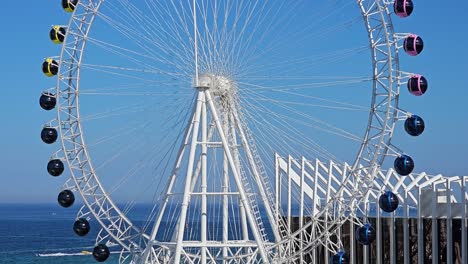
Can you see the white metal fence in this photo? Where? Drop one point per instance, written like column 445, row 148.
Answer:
column 429, row 225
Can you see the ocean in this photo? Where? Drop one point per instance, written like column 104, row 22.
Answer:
column 27, row 230
column 43, row 233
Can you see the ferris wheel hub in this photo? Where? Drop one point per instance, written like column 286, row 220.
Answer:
column 219, row 85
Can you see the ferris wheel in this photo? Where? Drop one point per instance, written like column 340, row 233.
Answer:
column 182, row 106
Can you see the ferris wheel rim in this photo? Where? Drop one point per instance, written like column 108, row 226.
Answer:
column 78, row 140
column 391, row 114
column 75, row 65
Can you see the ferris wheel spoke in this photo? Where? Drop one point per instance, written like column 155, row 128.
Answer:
column 243, row 9
column 325, row 128
column 146, row 90
column 159, row 49
column 244, row 44
column 282, row 131
column 299, row 37
column 333, row 103
column 302, row 77
column 304, row 86
column 293, row 103
column 118, row 111
column 306, row 63
column 122, row 131
column 264, row 135
column 305, row 123
column 111, row 68
column 132, row 56
column 319, row 36
column 208, row 40
column 128, row 87
column 159, row 22
column 140, row 107
column 142, row 94
column 148, row 159
column 119, row 74
column 159, row 52
column 308, row 117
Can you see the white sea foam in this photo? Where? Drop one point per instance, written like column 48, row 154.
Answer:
column 60, row 254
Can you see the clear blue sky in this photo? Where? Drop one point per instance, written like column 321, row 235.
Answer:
column 442, row 149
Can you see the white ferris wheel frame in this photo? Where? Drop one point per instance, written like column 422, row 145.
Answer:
column 376, row 145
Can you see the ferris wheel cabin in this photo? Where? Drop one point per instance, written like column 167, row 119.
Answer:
column 365, row 234
column 340, row 258
column 101, row 253
column 47, row 101
column 50, row 67
column 417, row 85
column 403, row 8
column 404, row 165
column 388, row 202
column 81, row 227
column 57, row 34
column 49, row 135
column 414, row 125
column 69, row 5
column 413, row 45
column 55, row 167
column 66, row 198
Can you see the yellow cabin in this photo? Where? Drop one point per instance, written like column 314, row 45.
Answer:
column 57, row 34
column 69, row 5
column 50, row 67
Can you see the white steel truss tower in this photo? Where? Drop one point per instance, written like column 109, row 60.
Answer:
column 240, row 189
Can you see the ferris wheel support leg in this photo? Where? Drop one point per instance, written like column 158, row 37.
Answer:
column 258, row 179
column 196, row 174
column 225, row 205
column 243, row 217
column 237, row 179
column 197, row 171
column 188, row 181
column 225, row 190
column 198, row 168
column 204, row 153
column 168, row 189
